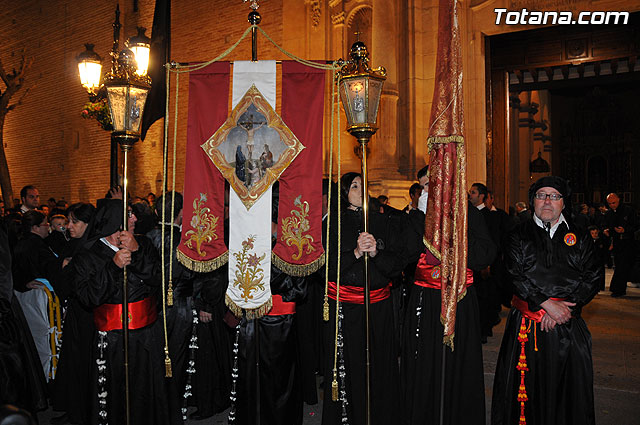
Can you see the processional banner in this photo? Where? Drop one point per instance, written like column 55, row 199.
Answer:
column 251, row 149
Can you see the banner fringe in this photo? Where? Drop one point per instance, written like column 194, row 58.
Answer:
column 249, row 313
column 299, row 270
column 202, row 266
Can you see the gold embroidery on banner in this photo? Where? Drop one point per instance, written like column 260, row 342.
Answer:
column 249, row 274
column 203, row 225
column 295, row 227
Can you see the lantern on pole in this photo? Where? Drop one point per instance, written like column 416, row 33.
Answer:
column 360, row 90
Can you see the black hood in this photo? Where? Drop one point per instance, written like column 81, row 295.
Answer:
column 108, row 220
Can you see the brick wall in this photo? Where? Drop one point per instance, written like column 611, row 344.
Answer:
column 46, row 140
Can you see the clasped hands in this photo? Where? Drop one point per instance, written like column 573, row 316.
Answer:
column 127, row 244
column 366, row 243
column 558, row 313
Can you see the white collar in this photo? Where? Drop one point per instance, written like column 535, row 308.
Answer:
column 480, row 206
column 109, row 244
column 553, row 229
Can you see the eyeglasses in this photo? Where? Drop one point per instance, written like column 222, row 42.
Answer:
column 543, row 196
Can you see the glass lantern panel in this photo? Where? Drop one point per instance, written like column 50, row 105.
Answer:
column 90, row 74
column 373, row 97
column 353, row 98
column 142, row 59
column 117, row 96
column 137, row 98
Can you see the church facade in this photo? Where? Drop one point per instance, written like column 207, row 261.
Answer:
column 506, row 66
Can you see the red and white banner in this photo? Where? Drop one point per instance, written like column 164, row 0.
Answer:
column 251, row 148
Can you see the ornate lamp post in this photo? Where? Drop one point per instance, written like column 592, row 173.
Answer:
column 126, row 87
column 360, row 89
column 135, row 56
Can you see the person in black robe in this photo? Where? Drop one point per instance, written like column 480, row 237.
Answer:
column 384, row 245
column 620, row 223
column 98, row 282
column 544, row 373
column 22, row 381
column 213, row 359
column 269, row 385
column 423, row 347
column 183, row 348
column 73, row 382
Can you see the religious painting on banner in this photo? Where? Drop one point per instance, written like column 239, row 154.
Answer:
column 251, row 150
column 253, row 147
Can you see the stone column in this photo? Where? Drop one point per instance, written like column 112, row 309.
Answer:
column 383, row 50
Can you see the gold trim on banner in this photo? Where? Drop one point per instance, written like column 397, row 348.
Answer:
column 250, row 313
column 294, row 228
column 249, row 195
column 202, row 266
column 443, row 140
column 299, row 270
column 203, row 225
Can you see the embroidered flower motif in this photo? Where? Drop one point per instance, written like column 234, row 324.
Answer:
column 249, row 275
column 295, row 227
column 203, row 225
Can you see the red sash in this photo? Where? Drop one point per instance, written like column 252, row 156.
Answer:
column 355, row 294
column 281, row 307
column 428, row 275
column 523, row 307
column 108, row 317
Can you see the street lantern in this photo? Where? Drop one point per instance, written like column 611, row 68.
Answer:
column 126, row 92
column 140, row 45
column 90, row 69
column 360, row 90
column 126, row 87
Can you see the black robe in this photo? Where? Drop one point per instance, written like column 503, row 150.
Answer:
column 97, row 281
column 423, row 346
column 272, row 389
column 179, row 314
column 213, row 359
column 387, row 264
column 559, row 382
column 22, row 381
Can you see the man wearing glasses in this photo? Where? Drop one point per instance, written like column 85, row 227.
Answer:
column 544, row 373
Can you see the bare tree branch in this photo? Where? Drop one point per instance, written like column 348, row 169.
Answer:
column 19, row 102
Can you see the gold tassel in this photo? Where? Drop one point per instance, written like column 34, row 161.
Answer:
column 325, row 309
column 170, row 294
column 334, row 387
column 167, row 366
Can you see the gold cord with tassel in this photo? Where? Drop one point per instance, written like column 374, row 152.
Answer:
column 167, row 360
column 170, row 294
column 167, row 364
column 334, row 386
column 325, row 306
column 334, row 383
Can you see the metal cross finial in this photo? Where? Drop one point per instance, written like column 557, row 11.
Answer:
column 254, row 4
column 357, row 34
